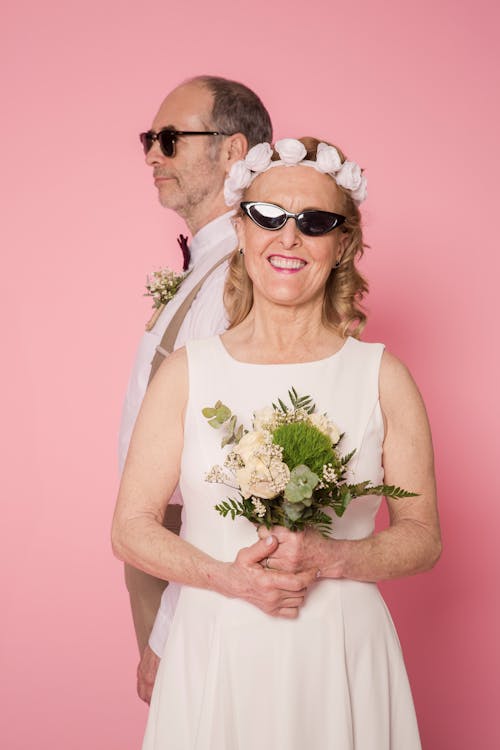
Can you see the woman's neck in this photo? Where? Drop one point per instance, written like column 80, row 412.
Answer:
column 281, row 333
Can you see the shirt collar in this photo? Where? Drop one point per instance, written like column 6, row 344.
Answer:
column 215, row 232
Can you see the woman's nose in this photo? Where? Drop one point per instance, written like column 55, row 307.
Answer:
column 290, row 234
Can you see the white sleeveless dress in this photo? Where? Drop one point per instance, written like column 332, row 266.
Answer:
column 234, row 678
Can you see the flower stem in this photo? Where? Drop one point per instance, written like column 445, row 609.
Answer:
column 151, row 322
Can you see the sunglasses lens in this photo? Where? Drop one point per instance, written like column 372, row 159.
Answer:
column 166, row 140
column 146, row 140
column 315, row 223
column 267, row 216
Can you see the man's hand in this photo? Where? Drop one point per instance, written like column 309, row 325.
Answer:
column 280, row 594
column 146, row 674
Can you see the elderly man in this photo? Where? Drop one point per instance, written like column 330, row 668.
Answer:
column 201, row 129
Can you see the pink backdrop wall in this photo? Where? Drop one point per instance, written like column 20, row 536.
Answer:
column 409, row 90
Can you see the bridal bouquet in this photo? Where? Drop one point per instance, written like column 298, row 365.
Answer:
column 288, row 469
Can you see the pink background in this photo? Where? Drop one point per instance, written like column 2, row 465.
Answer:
column 410, row 90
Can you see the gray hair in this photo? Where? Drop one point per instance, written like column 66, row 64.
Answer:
column 237, row 109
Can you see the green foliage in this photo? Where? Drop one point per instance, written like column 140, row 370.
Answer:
column 231, row 507
column 387, row 490
column 304, row 444
column 297, row 402
column 293, row 511
column 219, row 416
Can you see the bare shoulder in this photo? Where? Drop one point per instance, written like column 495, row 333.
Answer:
column 400, row 398
column 170, row 383
column 173, row 366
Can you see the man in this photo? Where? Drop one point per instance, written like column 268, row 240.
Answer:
column 202, row 128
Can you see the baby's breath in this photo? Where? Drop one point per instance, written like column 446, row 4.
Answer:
column 329, row 473
column 215, row 475
column 233, row 460
column 259, row 507
column 162, row 285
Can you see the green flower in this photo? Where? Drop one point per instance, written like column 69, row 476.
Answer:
column 301, row 485
column 303, row 443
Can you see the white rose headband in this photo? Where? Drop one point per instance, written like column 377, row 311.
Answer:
column 292, row 152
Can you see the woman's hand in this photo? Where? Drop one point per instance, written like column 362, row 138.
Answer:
column 277, row 593
column 297, row 550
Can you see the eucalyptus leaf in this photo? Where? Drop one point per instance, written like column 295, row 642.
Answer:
column 227, row 439
column 293, row 511
column 223, row 413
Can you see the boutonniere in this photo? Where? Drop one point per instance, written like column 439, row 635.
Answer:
column 162, row 286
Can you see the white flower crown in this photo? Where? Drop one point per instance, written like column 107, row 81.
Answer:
column 292, row 152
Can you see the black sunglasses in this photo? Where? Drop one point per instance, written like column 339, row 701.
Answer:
column 273, row 217
column 167, row 137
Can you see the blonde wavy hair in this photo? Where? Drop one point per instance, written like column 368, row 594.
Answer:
column 345, row 287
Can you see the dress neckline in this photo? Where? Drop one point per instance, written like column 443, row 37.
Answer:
column 330, row 358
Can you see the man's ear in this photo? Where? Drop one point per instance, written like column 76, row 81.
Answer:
column 235, row 149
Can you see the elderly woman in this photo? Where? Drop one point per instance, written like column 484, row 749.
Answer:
column 283, row 642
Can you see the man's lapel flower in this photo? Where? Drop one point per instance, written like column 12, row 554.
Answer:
column 162, row 286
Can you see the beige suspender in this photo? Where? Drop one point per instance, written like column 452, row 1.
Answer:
column 166, row 345
column 145, row 590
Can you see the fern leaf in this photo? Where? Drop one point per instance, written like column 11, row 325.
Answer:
column 390, row 490
column 345, row 459
column 283, row 406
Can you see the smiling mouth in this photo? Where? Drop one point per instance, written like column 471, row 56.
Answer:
column 287, row 264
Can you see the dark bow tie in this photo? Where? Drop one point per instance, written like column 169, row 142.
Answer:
column 186, row 255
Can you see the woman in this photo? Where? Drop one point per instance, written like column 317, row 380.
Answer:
column 283, row 643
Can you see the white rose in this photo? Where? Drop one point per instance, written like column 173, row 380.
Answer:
column 250, row 443
column 359, row 195
column 349, row 175
column 255, row 478
column 238, row 179
column 243, row 477
column 263, row 417
column 231, row 197
column 239, row 175
column 328, row 158
column 259, row 157
column 290, row 150
column 323, row 424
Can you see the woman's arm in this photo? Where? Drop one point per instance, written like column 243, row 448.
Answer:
column 149, row 478
column 412, row 543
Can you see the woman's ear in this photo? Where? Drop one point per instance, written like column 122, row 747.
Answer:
column 343, row 242
column 239, row 226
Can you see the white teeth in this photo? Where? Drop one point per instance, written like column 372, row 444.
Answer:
column 291, row 263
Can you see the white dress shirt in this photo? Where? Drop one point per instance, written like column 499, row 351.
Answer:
column 205, row 318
